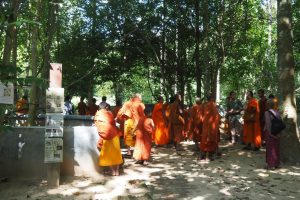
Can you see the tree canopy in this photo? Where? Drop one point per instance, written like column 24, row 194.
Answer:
column 157, row 47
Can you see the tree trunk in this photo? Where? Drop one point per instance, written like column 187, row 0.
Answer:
column 163, row 54
column 270, row 24
column 221, row 50
column 33, row 65
column 49, row 32
column 118, row 89
column 181, row 56
column 90, row 92
column 290, row 140
column 10, row 32
column 197, row 51
column 206, row 67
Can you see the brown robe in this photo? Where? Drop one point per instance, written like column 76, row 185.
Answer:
column 176, row 122
column 160, row 136
column 196, row 122
column 210, row 129
column 143, row 142
column 252, row 130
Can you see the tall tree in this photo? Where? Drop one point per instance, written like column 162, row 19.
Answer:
column 198, row 70
column 36, row 7
column 290, row 141
column 206, row 64
column 11, row 35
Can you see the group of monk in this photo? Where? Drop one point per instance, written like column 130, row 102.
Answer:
column 91, row 108
column 170, row 123
column 129, row 121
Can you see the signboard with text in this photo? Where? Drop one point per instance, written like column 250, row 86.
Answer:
column 54, row 100
column 53, row 150
column 6, row 93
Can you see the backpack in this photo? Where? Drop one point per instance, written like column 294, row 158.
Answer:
column 277, row 125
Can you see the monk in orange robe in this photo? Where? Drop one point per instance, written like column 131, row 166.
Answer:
column 196, row 122
column 210, row 129
column 124, row 115
column 82, row 107
column 262, row 104
column 92, row 108
column 160, row 136
column 186, row 117
column 252, row 130
column 176, row 122
column 22, row 105
column 119, row 119
column 144, row 132
column 133, row 110
column 110, row 154
column 167, row 110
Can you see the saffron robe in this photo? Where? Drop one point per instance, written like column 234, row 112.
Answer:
column 82, row 108
column 262, row 103
column 129, row 138
column 22, row 106
column 210, row 128
column 144, row 134
column 252, row 130
column 110, row 152
column 106, row 127
column 92, row 109
column 176, row 122
column 160, row 136
column 186, row 117
column 109, row 136
column 196, row 122
column 133, row 109
column 119, row 118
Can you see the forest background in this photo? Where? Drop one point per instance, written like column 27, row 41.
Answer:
column 153, row 47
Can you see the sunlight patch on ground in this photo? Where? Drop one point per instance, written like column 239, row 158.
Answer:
column 66, row 192
column 190, row 179
column 198, row 198
column 234, row 166
column 293, row 173
column 225, row 191
column 82, row 184
column 263, row 175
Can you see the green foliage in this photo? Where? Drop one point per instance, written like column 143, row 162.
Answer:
column 149, row 46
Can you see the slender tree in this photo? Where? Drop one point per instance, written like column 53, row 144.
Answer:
column 206, row 59
column 10, row 32
column 198, row 70
column 290, row 141
column 36, row 7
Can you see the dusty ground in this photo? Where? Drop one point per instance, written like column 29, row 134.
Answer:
column 238, row 174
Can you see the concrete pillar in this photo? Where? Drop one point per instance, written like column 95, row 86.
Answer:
column 53, row 174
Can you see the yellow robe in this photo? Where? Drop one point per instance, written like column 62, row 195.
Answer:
column 129, row 140
column 110, row 153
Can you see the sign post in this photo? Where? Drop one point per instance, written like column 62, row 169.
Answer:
column 54, row 125
column 6, row 93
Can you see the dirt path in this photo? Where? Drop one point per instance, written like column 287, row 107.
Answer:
column 238, row 174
